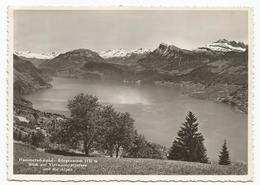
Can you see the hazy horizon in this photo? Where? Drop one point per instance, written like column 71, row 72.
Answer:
column 45, row 31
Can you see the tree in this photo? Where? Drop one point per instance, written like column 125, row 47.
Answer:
column 59, row 133
column 124, row 132
column 141, row 148
column 19, row 135
column 37, row 138
column 188, row 146
column 97, row 127
column 84, row 123
column 109, row 117
column 117, row 132
column 224, row 155
column 137, row 150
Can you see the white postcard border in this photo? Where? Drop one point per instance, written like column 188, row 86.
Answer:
column 151, row 178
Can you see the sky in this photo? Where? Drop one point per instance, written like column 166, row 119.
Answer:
column 45, row 31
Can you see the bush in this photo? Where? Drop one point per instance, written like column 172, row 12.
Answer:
column 142, row 148
column 37, row 138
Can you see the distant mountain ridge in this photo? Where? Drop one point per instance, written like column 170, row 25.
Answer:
column 69, row 64
column 121, row 56
column 122, row 53
column 221, row 45
column 218, row 71
column 29, row 54
column 36, row 58
column 224, row 45
column 166, row 62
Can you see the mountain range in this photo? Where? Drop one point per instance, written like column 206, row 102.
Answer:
column 224, row 45
column 29, row 54
column 122, row 53
column 36, row 58
column 217, row 71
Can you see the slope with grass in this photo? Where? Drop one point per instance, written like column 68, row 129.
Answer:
column 117, row 166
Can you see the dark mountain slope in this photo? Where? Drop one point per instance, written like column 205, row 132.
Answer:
column 35, row 61
column 69, row 64
column 27, row 79
column 107, row 71
column 220, row 74
column 230, row 68
column 170, row 58
column 86, row 64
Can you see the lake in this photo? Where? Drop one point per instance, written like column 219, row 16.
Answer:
column 158, row 112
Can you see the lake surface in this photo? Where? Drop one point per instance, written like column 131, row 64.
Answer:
column 158, row 112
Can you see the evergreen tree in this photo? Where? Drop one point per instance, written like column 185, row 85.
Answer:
column 224, row 155
column 188, row 146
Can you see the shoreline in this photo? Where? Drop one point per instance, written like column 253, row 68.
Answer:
column 219, row 93
column 211, row 93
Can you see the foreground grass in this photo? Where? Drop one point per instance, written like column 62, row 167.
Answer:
column 121, row 166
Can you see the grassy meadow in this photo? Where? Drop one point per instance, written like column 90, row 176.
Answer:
column 117, row 166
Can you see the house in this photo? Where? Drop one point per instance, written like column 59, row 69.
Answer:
column 22, row 119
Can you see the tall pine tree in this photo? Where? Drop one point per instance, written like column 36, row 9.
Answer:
column 188, row 146
column 224, row 155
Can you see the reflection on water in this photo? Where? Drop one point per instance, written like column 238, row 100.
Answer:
column 158, row 112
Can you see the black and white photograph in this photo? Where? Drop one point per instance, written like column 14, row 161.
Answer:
column 130, row 93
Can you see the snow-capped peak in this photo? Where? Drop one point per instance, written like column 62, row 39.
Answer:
column 29, row 54
column 140, row 51
column 113, row 53
column 122, row 52
column 224, row 45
